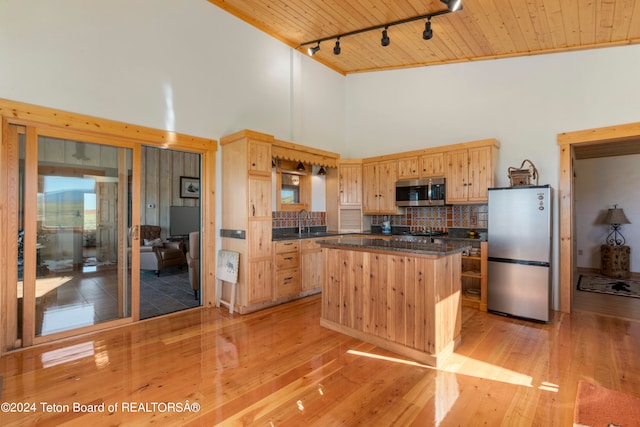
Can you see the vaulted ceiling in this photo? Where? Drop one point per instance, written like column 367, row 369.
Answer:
column 483, row 29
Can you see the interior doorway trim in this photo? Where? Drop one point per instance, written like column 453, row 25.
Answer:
column 603, row 142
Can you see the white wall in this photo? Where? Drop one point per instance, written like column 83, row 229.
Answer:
column 185, row 66
column 599, row 185
column 523, row 102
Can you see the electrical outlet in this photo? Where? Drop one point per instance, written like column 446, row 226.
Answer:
column 579, row 251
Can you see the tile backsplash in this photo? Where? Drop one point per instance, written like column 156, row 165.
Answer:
column 439, row 217
column 287, row 219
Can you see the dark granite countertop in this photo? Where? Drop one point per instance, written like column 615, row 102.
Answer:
column 304, row 235
column 364, row 242
column 460, row 239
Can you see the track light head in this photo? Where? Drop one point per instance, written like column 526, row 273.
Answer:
column 313, row 50
column 453, row 5
column 384, row 41
column 336, row 48
column 428, row 32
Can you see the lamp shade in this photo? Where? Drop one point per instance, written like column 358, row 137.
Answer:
column 616, row 216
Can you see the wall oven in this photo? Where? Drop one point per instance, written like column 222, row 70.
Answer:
column 420, row 192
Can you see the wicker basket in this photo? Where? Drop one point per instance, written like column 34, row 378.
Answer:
column 521, row 177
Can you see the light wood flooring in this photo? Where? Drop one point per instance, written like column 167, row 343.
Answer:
column 278, row 367
column 610, row 305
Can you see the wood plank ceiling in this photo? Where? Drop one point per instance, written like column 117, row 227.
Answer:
column 483, row 29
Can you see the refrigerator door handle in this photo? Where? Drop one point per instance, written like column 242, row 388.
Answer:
column 519, row 261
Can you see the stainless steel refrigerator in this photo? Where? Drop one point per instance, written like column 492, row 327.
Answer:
column 519, row 245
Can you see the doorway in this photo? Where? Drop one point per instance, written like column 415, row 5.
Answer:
column 600, row 142
column 170, row 210
column 83, row 230
column 73, row 216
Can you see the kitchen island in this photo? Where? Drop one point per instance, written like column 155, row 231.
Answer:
column 401, row 296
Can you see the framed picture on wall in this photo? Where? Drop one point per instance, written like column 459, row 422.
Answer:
column 189, row 187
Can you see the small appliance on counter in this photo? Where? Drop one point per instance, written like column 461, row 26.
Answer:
column 386, row 225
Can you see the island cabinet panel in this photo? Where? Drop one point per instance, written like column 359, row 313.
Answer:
column 407, row 302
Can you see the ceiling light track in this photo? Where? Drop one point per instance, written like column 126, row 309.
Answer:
column 452, row 6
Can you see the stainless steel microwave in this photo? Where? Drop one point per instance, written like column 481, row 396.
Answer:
column 420, row 192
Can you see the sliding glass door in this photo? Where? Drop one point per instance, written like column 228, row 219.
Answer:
column 74, row 241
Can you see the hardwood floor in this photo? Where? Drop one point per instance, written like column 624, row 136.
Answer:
column 279, row 367
column 610, row 305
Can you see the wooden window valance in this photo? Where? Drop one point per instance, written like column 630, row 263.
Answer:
column 289, row 151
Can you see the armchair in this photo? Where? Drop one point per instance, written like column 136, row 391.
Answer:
column 193, row 261
column 155, row 254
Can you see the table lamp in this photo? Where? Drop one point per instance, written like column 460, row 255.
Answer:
column 615, row 218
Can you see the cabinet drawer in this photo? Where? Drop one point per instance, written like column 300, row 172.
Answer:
column 288, row 282
column 308, row 244
column 287, row 246
column 287, row 260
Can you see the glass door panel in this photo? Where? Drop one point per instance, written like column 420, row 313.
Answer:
column 81, row 210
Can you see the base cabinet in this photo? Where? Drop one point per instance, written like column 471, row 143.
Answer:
column 287, row 272
column 312, row 269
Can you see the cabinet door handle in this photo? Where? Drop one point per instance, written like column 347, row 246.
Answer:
column 288, row 258
column 288, row 278
column 253, row 209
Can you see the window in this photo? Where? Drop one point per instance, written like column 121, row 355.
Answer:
column 293, row 187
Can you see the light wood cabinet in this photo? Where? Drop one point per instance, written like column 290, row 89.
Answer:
column 311, row 265
column 350, row 184
column 344, row 196
column 246, row 207
column 287, row 271
column 469, row 173
column 432, row 165
column 259, row 159
column 379, row 186
column 298, row 268
column 408, row 168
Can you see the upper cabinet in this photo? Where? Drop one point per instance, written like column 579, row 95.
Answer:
column 408, row 168
column 469, row 172
column 379, row 187
column 432, row 165
column 350, row 183
column 259, row 158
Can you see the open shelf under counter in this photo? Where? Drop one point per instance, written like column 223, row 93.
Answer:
column 474, row 278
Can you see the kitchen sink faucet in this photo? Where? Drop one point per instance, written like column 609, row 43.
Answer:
column 303, row 216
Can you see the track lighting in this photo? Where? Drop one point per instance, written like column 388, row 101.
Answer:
column 384, row 41
column 453, row 5
column 312, row 50
column 428, row 32
column 322, row 172
column 300, row 167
